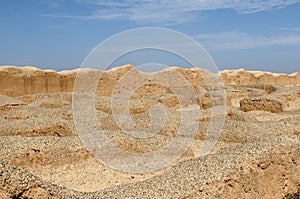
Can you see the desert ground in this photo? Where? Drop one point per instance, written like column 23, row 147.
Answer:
column 257, row 154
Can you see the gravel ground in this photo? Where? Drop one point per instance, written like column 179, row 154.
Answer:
column 42, row 156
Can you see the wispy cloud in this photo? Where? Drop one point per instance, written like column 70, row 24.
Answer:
column 241, row 40
column 171, row 11
column 52, row 3
column 297, row 29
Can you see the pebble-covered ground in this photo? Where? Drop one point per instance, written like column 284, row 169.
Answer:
column 257, row 154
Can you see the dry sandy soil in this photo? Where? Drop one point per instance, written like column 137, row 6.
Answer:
column 256, row 156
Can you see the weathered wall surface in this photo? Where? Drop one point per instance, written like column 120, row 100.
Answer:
column 257, row 77
column 17, row 81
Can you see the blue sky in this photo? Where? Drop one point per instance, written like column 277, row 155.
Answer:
column 59, row 34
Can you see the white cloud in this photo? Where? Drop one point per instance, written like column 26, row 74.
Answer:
column 297, row 29
column 240, row 40
column 51, row 3
column 172, row 11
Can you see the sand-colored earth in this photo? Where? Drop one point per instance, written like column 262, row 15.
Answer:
column 256, row 156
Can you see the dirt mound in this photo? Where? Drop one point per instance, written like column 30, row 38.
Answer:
column 264, row 104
